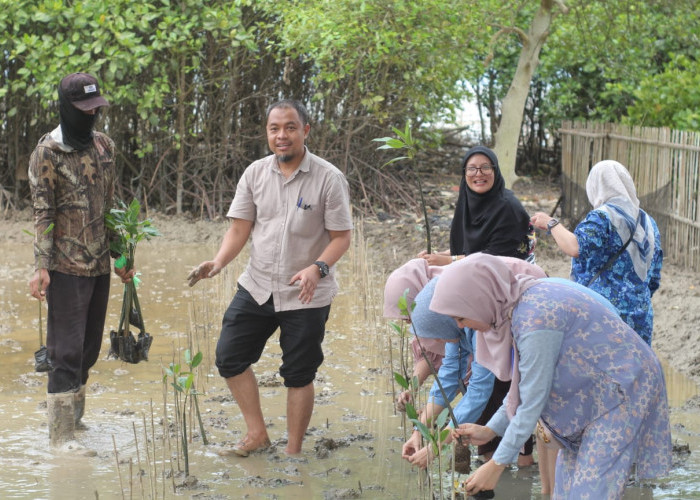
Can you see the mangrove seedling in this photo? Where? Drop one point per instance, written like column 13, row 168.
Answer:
column 436, row 438
column 127, row 230
column 404, row 140
column 183, row 385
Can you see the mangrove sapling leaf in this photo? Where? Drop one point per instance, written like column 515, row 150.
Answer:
column 397, row 328
column 128, row 231
column 442, row 418
column 44, row 232
column 439, row 439
column 423, row 429
column 411, row 412
column 433, row 371
column 405, row 140
column 403, row 305
column 401, row 380
column 183, row 383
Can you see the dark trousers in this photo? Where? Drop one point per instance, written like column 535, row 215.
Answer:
column 75, row 324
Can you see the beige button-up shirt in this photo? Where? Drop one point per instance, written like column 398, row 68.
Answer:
column 292, row 217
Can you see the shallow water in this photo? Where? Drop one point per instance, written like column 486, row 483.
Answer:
column 125, row 406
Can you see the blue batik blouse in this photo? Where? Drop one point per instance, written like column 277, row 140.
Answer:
column 598, row 241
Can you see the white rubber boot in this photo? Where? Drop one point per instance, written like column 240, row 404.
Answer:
column 60, row 407
column 79, row 408
column 61, row 413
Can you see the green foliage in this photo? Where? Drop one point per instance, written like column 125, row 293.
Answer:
column 188, row 81
column 405, row 140
column 380, row 53
column 401, row 380
column 129, row 230
column 183, row 380
column 183, row 385
column 671, row 98
column 436, row 434
column 606, row 61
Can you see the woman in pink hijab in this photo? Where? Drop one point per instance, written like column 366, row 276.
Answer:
column 579, row 374
column 410, row 278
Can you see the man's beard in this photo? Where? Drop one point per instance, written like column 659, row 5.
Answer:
column 286, row 158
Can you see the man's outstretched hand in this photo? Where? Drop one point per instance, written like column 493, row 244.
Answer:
column 207, row 269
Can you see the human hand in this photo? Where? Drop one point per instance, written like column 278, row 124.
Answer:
column 437, row 259
column 207, row 269
column 485, row 478
column 422, row 457
column 126, row 275
column 540, row 220
column 38, row 283
column 473, row 434
column 307, row 280
column 412, row 445
column 401, row 400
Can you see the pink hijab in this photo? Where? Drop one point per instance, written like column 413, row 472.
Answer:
column 486, row 288
column 413, row 275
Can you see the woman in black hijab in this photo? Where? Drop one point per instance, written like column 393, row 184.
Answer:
column 488, row 217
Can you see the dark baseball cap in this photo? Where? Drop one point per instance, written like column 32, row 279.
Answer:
column 83, row 91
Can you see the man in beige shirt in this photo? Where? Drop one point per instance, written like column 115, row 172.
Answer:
column 295, row 207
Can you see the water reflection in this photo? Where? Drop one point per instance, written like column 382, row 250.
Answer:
column 125, row 407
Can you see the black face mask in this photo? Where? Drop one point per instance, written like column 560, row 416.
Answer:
column 76, row 126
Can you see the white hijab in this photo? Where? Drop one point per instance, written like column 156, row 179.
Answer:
column 610, row 189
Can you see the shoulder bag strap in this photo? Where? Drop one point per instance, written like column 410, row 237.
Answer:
column 612, row 260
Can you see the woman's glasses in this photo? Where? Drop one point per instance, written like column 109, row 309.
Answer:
column 485, row 169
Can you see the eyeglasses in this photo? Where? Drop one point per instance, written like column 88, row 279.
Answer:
column 485, row 169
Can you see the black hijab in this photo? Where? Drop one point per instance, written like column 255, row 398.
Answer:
column 76, row 126
column 493, row 222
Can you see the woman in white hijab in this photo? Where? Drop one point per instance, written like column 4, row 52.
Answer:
column 616, row 248
column 597, row 389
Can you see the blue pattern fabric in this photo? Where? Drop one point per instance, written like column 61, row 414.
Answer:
column 598, row 242
column 453, row 370
column 428, row 324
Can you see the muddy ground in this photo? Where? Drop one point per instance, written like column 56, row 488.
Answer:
column 355, row 430
column 394, row 238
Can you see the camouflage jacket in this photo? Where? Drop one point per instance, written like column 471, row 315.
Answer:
column 73, row 190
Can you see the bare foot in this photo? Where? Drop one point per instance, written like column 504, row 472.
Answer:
column 246, row 446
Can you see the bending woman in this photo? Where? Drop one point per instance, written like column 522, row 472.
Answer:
column 410, row 279
column 478, row 402
column 632, row 276
column 596, row 387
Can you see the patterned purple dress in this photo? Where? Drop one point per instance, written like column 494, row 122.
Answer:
column 607, row 405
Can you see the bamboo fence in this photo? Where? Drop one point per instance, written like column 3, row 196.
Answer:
column 665, row 166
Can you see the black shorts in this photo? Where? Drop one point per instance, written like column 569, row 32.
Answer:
column 247, row 326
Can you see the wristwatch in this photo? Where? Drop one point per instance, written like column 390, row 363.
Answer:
column 322, row 267
column 552, row 222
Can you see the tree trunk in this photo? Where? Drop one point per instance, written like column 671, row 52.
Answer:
column 508, row 133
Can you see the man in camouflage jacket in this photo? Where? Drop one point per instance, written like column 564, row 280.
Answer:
column 72, row 177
